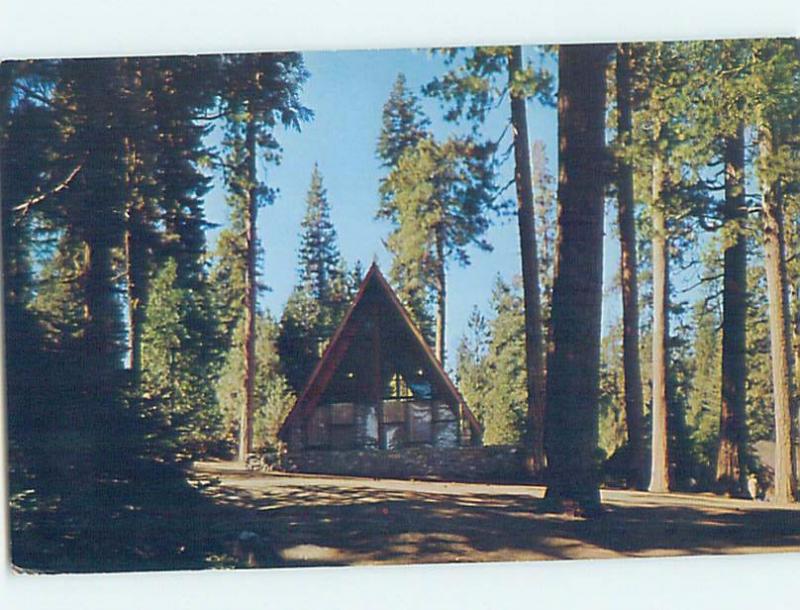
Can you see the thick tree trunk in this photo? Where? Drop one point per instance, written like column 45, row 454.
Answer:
column 659, row 468
column 731, row 456
column 628, row 273
column 574, row 360
column 441, row 296
column 248, row 406
column 101, row 233
column 534, row 356
column 779, row 325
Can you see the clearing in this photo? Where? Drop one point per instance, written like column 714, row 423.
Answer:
column 305, row 520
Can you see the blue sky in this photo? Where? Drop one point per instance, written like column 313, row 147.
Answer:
column 346, row 91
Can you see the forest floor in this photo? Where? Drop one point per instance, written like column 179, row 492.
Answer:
column 311, row 520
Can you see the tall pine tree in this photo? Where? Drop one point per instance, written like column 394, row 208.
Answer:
column 320, row 298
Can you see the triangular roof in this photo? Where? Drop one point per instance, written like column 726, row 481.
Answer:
column 333, row 355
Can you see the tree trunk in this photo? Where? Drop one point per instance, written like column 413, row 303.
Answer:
column 628, row 273
column 100, row 233
column 246, row 422
column 731, row 457
column 534, row 357
column 135, row 263
column 659, row 469
column 574, row 360
column 796, row 359
column 779, row 325
column 441, row 295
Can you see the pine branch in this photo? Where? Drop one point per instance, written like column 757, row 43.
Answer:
column 211, row 117
column 701, row 281
column 25, row 206
column 37, row 96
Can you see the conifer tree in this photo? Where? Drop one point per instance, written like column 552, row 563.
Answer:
column 320, row 298
column 403, row 123
column 491, row 367
column 634, row 402
column 662, row 141
column 273, row 397
column 775, row 122
column 320, row 262
column 439, row 197
column 176, row 372
column 472, row 89
column 572, row 401
column 260, row 91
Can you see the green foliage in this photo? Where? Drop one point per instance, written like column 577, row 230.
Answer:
column 320, row 272
column 612, row 432
column 438, row 196
column 703, row 412
column 177, row 377
column 259, row 92
column 476, row 84
column 491, row 367
column 544, row 201
column 324, row 290
column 760, row 402
column 273, row 397
column 403, row 123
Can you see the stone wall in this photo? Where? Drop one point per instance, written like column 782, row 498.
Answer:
column 499, row 463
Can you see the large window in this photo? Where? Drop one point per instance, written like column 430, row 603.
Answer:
column 420, row 429
column 393, row 421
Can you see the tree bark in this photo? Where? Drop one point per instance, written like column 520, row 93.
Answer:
column 135, row 263
column 731, row 456
column 100, row 233
column 779, row 322
column 634, row 400
column 659, row 468
column 246, row 422
column 574, row 360
column 534, row 357
column 441, row 295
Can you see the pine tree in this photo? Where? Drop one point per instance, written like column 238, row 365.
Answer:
column 260, row 91
column 273, row 397
column 572, row 401
column 472, row 89
column 491, row 367
column 403, row 124
column 176, row 369
column 667, row 149
column 318, row 302
column 634, row 402
column 438, row 197
column 320, row 262
column 775, row 114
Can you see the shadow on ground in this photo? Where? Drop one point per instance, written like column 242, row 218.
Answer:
column 319, row 521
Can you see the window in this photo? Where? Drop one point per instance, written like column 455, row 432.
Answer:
column 420, row 429
column 398, row 388
column 343, row 429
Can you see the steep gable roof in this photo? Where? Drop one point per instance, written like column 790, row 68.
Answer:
column 342, row 339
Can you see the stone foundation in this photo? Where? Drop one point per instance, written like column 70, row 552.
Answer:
column 499, row 463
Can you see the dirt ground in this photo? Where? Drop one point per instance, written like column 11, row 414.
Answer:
column 305, row 520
